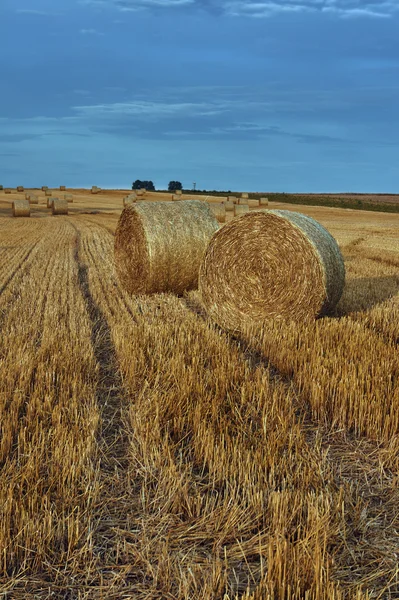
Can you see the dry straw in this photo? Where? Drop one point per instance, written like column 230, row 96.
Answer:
column 219, row 211
column 48, row 192
column 33, row 199
column 176, row 197
column 229, row 205
column 270, row 264
column 159, row 245
column 49, row 202
column 130, row 199
column 59, row 206
column 68, row 197
column 242, row 201
column 20, row 188
column 232, row 199
column 264, row 201
column 141, row 192
column 44, row 188
column 7, row 191
column 240, row 209
column 62, row 188
column 244, row 195
column 95, row 189
column 21, row 208
column 253, row 203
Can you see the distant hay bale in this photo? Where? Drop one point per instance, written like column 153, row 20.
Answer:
column 159, row 245
column 219, row 211
column 176, row 197
column 130, row 199
column 240, row 209
column 178, row 192
column 20, row 188
column 44, row 188
column 264, row 201
column 267, row 265
column 244, row 195
column 141, row 192
column 232, row 199
column 242, row 201
column 68, row 197
column 7, row 191
column 32, row 198
column 229, row 206
column 59, row 206
column 48, row 192
column 1, row 188
column 50, row 202
column 253, row 203
column 95, row 189
column 62, row 188
column 21, row 208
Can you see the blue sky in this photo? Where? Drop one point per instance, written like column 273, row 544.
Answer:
column 257, row 95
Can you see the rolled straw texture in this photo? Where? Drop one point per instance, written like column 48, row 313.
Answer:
column 159, row 245
column 219, row 211
column 59, row 206
column 264, row 201
column 267, row 265
column 68, row 197
column 21, row 208
column 240, row 209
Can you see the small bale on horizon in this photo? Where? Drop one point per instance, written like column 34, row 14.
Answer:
column 298, row 273
column 7, row 191
column 264, row 201
column 232, row 199
column 62, row 188
column 159, row 245
column 20, row 188
column 21, row 208
column 244, row 195
column 44, row 188
column 59, row 206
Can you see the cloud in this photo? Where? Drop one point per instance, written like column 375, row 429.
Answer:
column 90, row 32
column 261, row 9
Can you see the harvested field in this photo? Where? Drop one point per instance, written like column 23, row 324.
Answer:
column 147, row 454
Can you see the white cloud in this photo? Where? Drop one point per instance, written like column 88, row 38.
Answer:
column 90, row 32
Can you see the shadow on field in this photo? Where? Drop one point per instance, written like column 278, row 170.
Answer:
column 366, row 292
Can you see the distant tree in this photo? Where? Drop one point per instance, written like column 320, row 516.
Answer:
column 138, row 185
column 174, row 185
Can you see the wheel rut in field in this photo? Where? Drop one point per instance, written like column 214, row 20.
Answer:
column 114, row 506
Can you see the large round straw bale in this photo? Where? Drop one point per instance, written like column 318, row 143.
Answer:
column 20, row 188
column 33, row 199
column 59, row 206
column 7, row 191
column 264, row 201
column 219, row 211
column 229, row 206
column 244, row 195
column 21, row 208
column 48, row 192
column 253, row 203
column 240, row 209
column 62, row 188
column 68, row 197
column 267, row 265
column 159, row 245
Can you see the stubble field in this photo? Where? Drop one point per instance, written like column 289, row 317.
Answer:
column 147, row 454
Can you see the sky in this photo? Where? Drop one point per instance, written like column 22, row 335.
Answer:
column 242, row 95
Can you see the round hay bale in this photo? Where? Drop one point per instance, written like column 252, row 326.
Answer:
column 240, row 209
column 7, row 191
column 267, row 265
column 229, row 205
column 59, row 206
column 244, row 195
column 1, row 188
column 178, row 192
column 50, row 202
column 130, row 199
column 68, row 197
column 44, row 188
column 253, row 203
column 48, row 192
column 141, row 192
column 232, row 199
column 95, row 189
column 20, row 188
column 62, row 188
column 242, row 201
column 219, row 211
column 176, row 197
column 264, row 201
column 33, row 199
column 159, row 245
column 21, row 208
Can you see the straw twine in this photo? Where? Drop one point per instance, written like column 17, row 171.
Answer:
column 21, row 208
column 240, row 209
column 159, row 245
column 218, row 211
column 267, row 265
column 59, row 206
